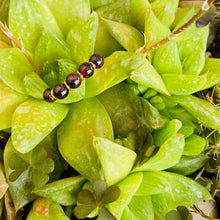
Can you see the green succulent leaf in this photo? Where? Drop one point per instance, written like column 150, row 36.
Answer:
column 82, row 39
column 13, row 68
column 27, row 20
column 33, row 120
column 192, row 46
column 34, row 85
column 147, row 76
column 111, row 194
column 171, row 129
column 44, row 209
column 9, row 100
column 165, row 10
column 24, row 172
column 3, row 183
column 195, row 106
column 164, row 185
column 100, row 3
column 75, row 137
column 117, row 68
column 184, row 84
column 211, row 68
column 63, row 192
column 129, row 37
column 152, row 116
column 182, row 213
column 128, row 188
column 75, row 13
column 104, row 214
column 189, row 164
column 139, row 208
column 194, row 145
column 50, row 47
column 116, row 161
column 167, row 156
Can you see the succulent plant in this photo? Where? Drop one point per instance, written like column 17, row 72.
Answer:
column 100, row 100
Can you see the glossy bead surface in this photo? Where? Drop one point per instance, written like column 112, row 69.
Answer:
column 60, row 91
column 86, row 69
column 47, row 96
column 73, row 80
column 97, row 60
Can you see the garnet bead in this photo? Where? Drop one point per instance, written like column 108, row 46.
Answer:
column 97, row 60
column 47, row 96
column 60, row 91
column 86, row 69
column 73, row 80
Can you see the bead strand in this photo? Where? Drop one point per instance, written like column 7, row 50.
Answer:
column 74, row 80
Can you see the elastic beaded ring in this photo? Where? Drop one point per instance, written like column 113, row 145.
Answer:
column 74, row 80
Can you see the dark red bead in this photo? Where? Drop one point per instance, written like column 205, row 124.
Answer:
column 47, row 96
column 73, row 80
column 86, row 69
column 97, row 60
column 60, row 91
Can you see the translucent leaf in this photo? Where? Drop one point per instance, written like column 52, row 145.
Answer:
column 34, row 85
column 76, row 12
column 110, row 195
column 171, row 129
column 117, row 68
column 189, row 164
column 99, row 188
column 195, row 106
column 32, row 121
column 187, row 192
column 105, row 44
column 66, row 66
column 212, row 69
column 99, row 3
column 3, row 183
column 139, row 208
column 192, row 46
column 13, row 68
column 27, row 20
column 128, row 188
column 147, row 76
column 82, row 39
column 116, row 161
column 165, row 10
column 75, row 137
column 166, row 59
column 82, row 211
column 152, row 116
column 184, row 84
column 167, row 156
column 44, row 209
column 50, row 47
column 28, row 175
column 194, row 145
column 9, row 100
column 129, row 37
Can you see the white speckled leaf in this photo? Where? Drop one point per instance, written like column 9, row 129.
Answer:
column 129, row 37
column 86, row 119
column 117, row 68
column 116, row 160
column 33, row 120
column 9, row 100
column 82, row 39
column 13, row 68
column 76, row 12
column 128, row 188
column 27, row 20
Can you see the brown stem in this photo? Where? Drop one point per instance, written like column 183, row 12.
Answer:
column 178, row 31
column 8, row 33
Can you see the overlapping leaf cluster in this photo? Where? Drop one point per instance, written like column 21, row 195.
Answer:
column 135, row 124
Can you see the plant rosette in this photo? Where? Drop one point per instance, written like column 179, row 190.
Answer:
column 99, row 98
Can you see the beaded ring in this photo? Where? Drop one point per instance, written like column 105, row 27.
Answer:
column 74, row 80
